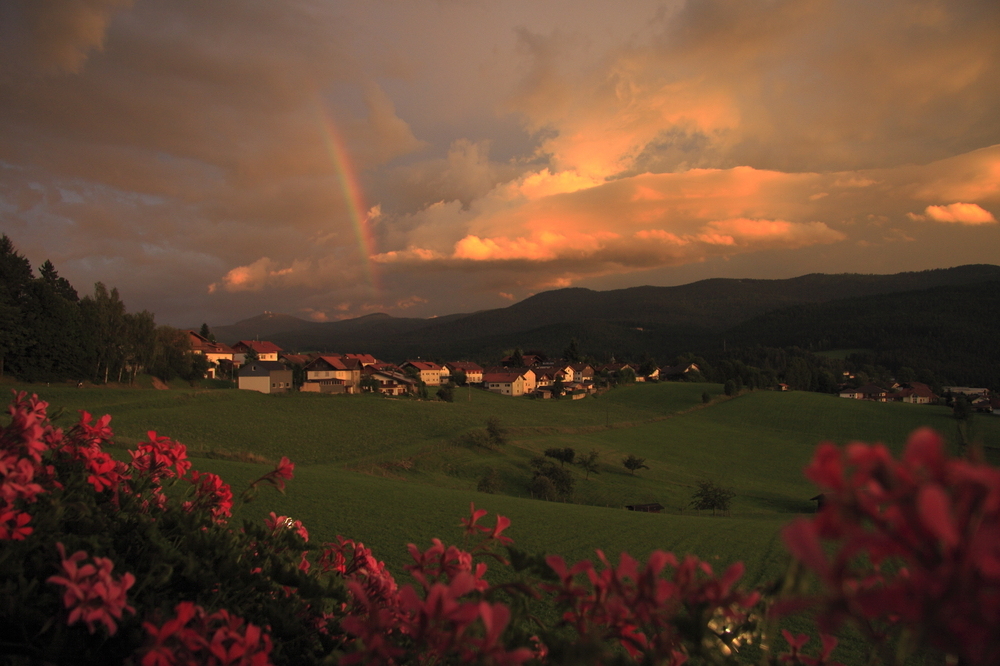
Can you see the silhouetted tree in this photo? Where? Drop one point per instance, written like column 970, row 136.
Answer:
column 590, row 462
column 633, row 463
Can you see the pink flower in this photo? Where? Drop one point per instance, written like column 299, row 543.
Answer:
column 14, row 525
column 92, row 595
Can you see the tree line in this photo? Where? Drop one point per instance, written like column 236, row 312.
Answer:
column 49, row 333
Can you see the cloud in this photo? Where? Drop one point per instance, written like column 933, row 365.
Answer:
column 959, row 213
column 61, row 34
column 793, row 86
column 171, row 146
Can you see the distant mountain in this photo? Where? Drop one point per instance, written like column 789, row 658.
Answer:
column 660, row 321
column 262, row 326
column 950, row 330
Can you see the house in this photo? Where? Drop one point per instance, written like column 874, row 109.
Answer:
column 506, row 382
column 215, row 352
column 333, row 371
column 390, row 382
column 527, row 360
column 915, row 393
column 429, row 372
column 365, row 359
column 473, row 372
column 675, row 372
column 265, row 376
column 966, row 390
column 582, row 372
column 866, row 392
column 266, row 351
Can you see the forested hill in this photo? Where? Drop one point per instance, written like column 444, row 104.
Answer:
column 659, row 321
column 950, row 330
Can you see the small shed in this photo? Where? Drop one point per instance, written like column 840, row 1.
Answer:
column 654, row 507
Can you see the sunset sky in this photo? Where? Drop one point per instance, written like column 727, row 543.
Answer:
column 330, row 159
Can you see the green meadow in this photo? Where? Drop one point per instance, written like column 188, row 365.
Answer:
column 388, row 472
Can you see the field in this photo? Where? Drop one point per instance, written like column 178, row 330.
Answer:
column 391, row 472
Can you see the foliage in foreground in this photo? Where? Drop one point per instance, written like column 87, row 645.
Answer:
column 137, row 563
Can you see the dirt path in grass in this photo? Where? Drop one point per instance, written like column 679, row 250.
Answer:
column 158, row 384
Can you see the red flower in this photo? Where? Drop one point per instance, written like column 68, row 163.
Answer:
column 935, row 518
column 92, row 595
column 13, row 525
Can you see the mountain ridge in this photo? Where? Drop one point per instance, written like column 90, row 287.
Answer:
column 645, row 315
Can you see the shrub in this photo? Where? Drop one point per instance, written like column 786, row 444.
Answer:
column 633, row 463
column 490, row 482
column 710, row 495
column 561, row 480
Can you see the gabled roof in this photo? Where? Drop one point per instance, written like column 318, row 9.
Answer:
column 464, row 366
column 200, row 343
column 423, row 365
column 261, row 368
column 297, row 359
column 259, row 346
column 334, row 363
column 364, row 359
column 501, row 377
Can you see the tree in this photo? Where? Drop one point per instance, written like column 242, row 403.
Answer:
column 446, row 394
column 633, row 463
column 368, row 384
column 730, row 387
column 572, row 352
column 496, row 432
column 590, row 462
column 206, row 333
column 564, row 456
column 705, row 397
column 561, row 480
column 459, row 377
column 250, row 355
column 712, row 496
column 961, row 409
column 557, row 388
column 517, row 359
column 490, row 482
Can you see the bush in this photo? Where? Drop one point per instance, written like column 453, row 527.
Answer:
column 490, row 482
column 712, row 496
column 561, row 480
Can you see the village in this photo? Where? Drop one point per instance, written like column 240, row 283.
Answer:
column 261, row 365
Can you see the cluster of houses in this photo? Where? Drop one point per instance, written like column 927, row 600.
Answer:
column 921, row 394
column 260, row 365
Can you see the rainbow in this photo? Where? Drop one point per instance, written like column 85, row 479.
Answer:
column 357, row 210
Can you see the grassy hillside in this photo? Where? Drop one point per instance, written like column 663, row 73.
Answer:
column 389, row 472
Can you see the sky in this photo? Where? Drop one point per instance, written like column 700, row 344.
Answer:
column 331, row 159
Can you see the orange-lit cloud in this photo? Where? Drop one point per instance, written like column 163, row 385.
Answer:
column 958, row 213
column 507, row 148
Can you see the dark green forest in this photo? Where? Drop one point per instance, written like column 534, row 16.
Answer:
column 49, row 333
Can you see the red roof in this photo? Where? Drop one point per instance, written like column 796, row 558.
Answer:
column 501, row 377
column 334, row 362
column 423, row 365
column 365, row 359
column 464, row 366
column 202, row 344
column 259, row 346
